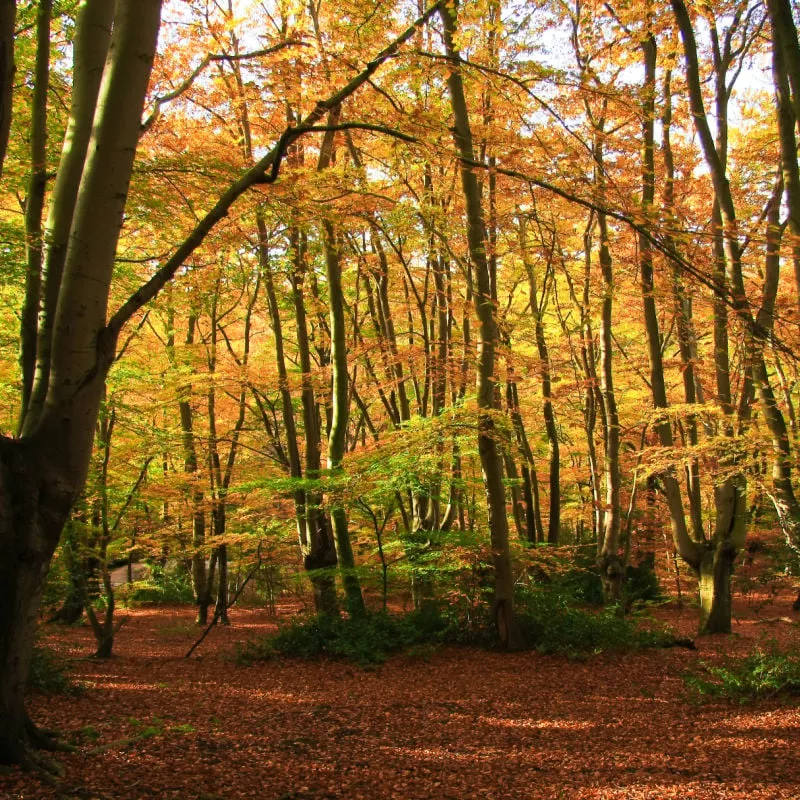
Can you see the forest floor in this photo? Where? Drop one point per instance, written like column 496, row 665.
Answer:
column 452, row 724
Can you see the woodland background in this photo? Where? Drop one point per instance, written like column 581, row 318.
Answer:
column 512, row 299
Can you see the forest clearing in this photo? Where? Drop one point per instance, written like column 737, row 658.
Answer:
column 453, row 723
column 462, row 336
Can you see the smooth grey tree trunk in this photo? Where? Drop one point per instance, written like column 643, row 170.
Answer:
column 42, row 472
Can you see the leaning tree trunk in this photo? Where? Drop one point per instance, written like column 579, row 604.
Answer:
column 42, row 472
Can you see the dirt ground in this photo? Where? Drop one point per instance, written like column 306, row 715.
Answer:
column 451, row 724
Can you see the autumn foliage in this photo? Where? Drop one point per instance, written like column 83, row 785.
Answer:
column 375, row 307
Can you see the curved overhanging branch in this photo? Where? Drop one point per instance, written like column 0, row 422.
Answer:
column 758, row 331
column 264, row 171
column 185, row 85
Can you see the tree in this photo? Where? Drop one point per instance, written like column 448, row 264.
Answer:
column 43, row 470
column 491, row 460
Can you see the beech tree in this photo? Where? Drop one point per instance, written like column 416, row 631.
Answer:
column 491, row 460
column 44, row 467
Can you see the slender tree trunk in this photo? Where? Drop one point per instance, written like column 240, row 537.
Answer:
column 612, row 571
column 314, row 536
column 672, row 491
column 200, row 578
column 34, row 203
column 320, row 558
column 8, row 14
column 785, row 54
column 490, row 456
column 90, row 49
column 687, row 346
column 537, row 305
column 341, row 415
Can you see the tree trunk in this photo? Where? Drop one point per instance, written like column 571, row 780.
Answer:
column 714, row 574
column 730, row 496
column 89, row 51
column 672, row 491
column 610, row 564
column 537, row 305
column 34, row 203
column 784, row 53
column 42, row 473
column 8, row 14
column 340, row 417
column 32, row 514
column 221, row 608
column 491, row 459
column 72, row 608
column 319, row 556
column 200, row 579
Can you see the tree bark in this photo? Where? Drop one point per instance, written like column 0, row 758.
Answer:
column 786, row 63
column 34, row 203
column 200, row 578
column 505, row 619
column 537, row 305
column 8, row 16
column 729, row 497
column 339, row 419
column 42, row 472
column 610, row 564
column 672, row 491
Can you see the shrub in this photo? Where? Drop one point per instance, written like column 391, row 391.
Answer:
column 551, row 624
column 641, row 582
column 766, row 672
column 363, row 640
column 165, row 585
column 49, row 673
column 575, row 577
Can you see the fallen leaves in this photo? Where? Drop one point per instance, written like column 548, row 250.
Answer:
column 464, row 724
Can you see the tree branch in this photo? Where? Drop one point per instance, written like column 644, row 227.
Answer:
column 256, row 174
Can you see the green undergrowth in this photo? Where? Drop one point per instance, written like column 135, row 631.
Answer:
column 572, row 573
column 766, row 672
column 549, row 622
column 164, row 585
column 365, row 640
column 49, row 673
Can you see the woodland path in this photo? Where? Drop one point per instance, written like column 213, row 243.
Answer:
column 463, row 724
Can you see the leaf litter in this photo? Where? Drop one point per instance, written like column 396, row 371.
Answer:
column 460, row 723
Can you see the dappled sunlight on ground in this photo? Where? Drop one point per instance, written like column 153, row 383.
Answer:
column 464, row 724
column 541, row 724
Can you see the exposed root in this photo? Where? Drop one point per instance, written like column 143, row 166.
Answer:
column 682, row 641
column 43, row 739
column 48, row 769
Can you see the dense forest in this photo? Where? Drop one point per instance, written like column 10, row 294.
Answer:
column 362, row 302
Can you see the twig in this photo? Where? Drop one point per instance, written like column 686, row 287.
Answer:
column 218, row 611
